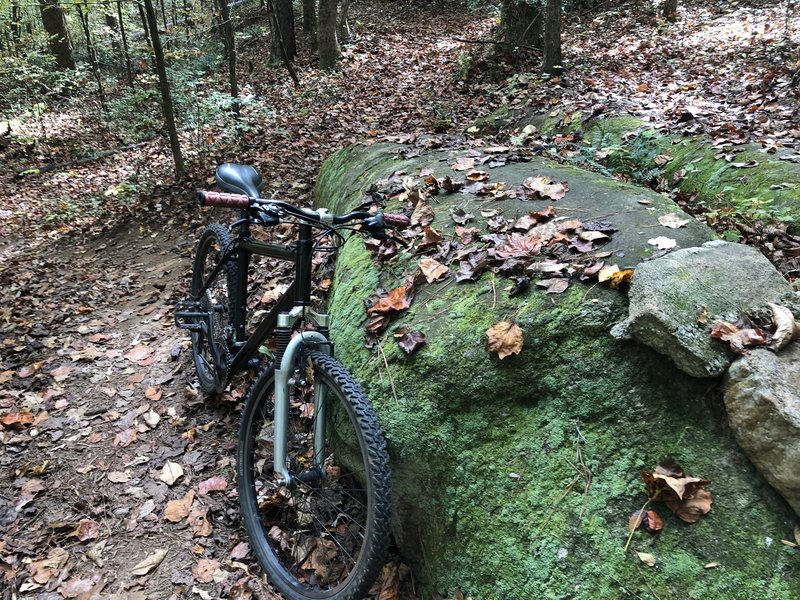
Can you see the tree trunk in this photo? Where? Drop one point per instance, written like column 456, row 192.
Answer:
column 521, row 23
column 281, row 22
column 310, row 18
column 670, row 10
column 327, row 43
column 15, row 28
column 145, row 26
column 166, row 94
column 84, row 17
column 125, row 51
column 343, row 27
column 164, row 17
column 230, row 43
column 551, row 46
column 58, row 35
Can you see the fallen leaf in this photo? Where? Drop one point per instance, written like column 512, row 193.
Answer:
column 240, row 550
column 423, row 214
column 75, row 587
column 179, row 509
column 212, row 484
column 555, row 285
column 542, row 187
column 203, row 571
column 692, row 508
column 673, row 221
column 785, row 329
column 505, row 338
column 148, row 564
column 396, row 300
column 647, row 559
column 432, row 269
column 153, row 393
column 711, row 565
column 139, row 354
column 738, row 339
column 198, row 520
column 42, row 570
column 409, row 341
column 389, row 583
column 662, row 242
column 61, row 373
column 118, row 477
column 86, row 530
column 170, row 472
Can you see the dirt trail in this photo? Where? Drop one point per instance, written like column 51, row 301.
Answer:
column 102, row 375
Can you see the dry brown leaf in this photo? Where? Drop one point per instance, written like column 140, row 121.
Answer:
column 153, row 393
column 673, row 221
column 204, row 570
column 647, row 559
column 691, row 509
column 170, row 472
column 423, row 214
column 542, row 187
column 213, row 484
column 42, row 570
column 198, row 520
column 505, row 338
column 739, row 339
column 139, row 354
column 396, row 300
column 390, row 583
column 86, row 530
column 179, row 509
column 784, row 326
column 432, row 269
column 148, row 564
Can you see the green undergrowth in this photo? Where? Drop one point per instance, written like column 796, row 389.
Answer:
column 515, row 478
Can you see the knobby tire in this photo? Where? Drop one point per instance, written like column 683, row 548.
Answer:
column 326, row 539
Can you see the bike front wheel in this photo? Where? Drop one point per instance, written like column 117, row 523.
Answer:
column 323, row 533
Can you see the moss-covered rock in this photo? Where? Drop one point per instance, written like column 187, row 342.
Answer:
column 515, row 478
column 754, row 184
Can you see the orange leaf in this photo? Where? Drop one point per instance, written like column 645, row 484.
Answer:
column 179, row 509
column 504, row 338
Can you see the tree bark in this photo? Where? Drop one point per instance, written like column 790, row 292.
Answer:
column 15, row 28
column 84, row 17
column 521, row 23
column 281, row 21
column 230, row 43
column 669, row 10
column 166, row 94
column 145, row 26
column 343, row 27
column 551, row 46
column 125, row 51
column 310, row 18
column 327, row 44
column 57, row 33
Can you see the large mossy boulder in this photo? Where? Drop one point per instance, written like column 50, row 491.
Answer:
column 516, row 478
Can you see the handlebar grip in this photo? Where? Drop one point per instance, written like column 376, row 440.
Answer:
column 223, row 200
column 396, row 220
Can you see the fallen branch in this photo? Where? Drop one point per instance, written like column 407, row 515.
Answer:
column 80, row 161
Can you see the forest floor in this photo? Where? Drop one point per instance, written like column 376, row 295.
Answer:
column 97, row 394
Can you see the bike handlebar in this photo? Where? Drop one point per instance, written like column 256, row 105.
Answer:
column 377, row 220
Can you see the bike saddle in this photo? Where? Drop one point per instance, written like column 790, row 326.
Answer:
column 239, row 179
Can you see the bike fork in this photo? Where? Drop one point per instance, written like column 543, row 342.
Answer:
column 282, row 376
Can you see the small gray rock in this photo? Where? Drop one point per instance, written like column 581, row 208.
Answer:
column 762, row 395
column 668, row 294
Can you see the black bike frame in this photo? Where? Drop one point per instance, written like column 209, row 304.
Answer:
column 298, row 294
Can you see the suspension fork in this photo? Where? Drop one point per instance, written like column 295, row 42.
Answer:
column 282, row 380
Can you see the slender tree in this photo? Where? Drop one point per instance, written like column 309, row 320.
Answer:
column 166, row 94
column 521, row 23
column 343, row 26
column 327, row 44
column 84, row 17
column 281, row 20
column 145, row 25
column 126, row 52
column 15, row 22
column 310, row 19
column 669, row 10
column 551, row 46
column 58, row 35
column 230, row 43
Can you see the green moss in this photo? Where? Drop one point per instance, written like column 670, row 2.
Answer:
column 491, row 458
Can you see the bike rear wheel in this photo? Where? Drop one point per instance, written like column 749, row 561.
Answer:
column 325, row 534
column 210, row 348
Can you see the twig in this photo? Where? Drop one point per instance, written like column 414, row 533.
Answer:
column 636, row 525
column 494, row 293
column 388, row 372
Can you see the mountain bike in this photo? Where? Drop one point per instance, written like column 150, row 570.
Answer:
column 312, row 469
